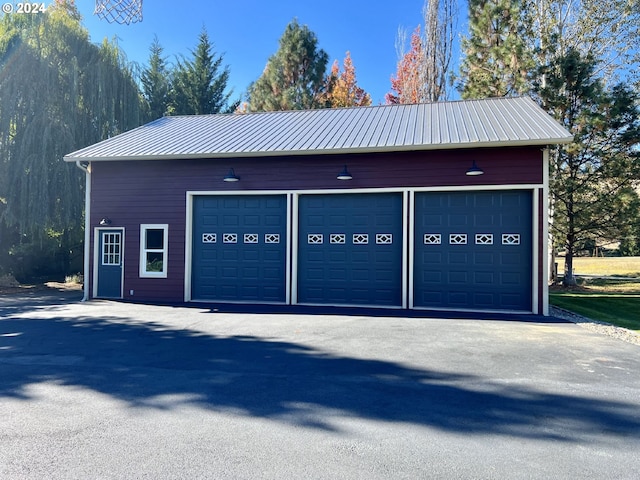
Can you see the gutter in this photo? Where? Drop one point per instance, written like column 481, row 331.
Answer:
column 85, row 167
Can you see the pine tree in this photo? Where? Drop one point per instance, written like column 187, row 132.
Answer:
column 497, row 62
column 606, row 31
column 593, row 180
column 199, row 85
column 155, row 82
column 293, row 78
column 341, row 88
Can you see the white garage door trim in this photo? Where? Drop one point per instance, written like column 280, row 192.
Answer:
column 405, row 245
column 536, row 190
column 188, row 257
column 408, row 232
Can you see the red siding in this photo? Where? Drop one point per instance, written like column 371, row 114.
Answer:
column 131, row 193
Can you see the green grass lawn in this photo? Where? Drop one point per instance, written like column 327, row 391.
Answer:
column 613, row 301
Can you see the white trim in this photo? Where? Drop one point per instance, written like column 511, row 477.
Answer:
column 287, row 261
column 405, row 248
column 86, row 267
column 96, row 258
column 142, row 270
column 408, row 231
column 302, row 191
column 295, row 225
column 545, row 232
column 533, row 191
column 535, row 244
column 188, row 252
column 346, row 191
column 294, row 254
column 188, row 246
column 96, row 247
column 477, row 188
column 410, row 239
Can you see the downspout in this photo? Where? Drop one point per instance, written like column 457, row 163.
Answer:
column 87, row 226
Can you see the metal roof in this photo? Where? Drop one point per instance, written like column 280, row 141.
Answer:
column 383, row 128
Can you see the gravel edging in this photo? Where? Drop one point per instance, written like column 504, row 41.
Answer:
column 620, row 333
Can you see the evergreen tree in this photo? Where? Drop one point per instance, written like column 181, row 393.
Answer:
column 155, row 82
column 293, row 78
column 592, row 180
column 496, row 62
column 199, row 85
column 606, row 31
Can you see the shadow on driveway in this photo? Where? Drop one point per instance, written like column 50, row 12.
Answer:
column 148, row 364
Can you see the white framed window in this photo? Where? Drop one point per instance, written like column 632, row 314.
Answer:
column 111, row 248
column 154, row 239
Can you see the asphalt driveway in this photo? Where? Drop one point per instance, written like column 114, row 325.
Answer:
column 114, row 390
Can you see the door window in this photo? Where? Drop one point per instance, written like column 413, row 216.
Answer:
column 111, row 248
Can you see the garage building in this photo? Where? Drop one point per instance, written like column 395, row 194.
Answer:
column 433, row 206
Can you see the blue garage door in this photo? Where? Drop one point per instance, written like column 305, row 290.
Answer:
column 473, row 250
column 239, row 248
column 350, row 249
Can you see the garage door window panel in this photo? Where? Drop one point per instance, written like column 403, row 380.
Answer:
column 337, row 238
column 272, row 238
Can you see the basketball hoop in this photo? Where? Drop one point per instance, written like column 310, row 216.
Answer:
column 119, row 11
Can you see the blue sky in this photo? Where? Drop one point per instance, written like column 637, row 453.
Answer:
column 247, row 33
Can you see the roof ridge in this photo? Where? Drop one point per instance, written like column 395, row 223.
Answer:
column 319, row 109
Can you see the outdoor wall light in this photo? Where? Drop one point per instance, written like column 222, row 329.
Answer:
column 105, row 222
column 344, row 174
column 475, row 170
column 231, row 176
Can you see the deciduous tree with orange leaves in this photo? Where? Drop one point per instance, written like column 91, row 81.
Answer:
column 422, row 72
column 341, row 88
column 407, row 84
